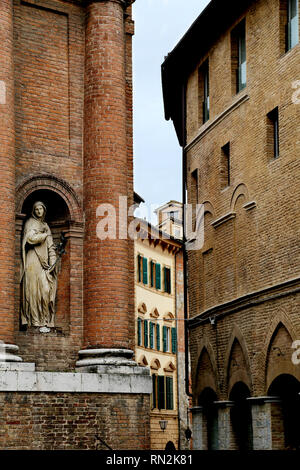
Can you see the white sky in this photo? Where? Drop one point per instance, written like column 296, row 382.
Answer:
column 159, row 25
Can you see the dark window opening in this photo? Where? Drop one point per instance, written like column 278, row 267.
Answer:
column 225, row 166
column 204, row 104
column 238, row 58
column 273, row 133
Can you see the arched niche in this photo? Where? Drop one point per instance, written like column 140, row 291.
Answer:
column 63, row 215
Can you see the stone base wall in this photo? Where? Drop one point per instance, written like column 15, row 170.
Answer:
column 57, row 421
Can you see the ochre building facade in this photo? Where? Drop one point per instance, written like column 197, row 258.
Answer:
column 237, row 117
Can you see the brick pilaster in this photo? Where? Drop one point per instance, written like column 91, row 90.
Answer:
column 7, row 181
column 107, row 274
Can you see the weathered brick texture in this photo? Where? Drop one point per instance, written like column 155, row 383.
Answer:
column 50, row 421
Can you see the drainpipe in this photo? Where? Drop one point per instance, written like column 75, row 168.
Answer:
column 185, row 279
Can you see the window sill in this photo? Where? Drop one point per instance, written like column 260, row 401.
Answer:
column 238, row 100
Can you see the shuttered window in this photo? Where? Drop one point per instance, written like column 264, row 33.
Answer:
column 157, row 276
column 161, row 392
column 139, row 268
column 139, row 331
column 169, row 393
column 146, row 333
column 145, row 271
column 174, row 340
column 151, row 325
column 166, row 339
column 152, row 274
column 154, row 391
column 167, row 280
column 158, row 337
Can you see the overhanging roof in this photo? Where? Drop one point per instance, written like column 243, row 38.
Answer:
column 214, row 20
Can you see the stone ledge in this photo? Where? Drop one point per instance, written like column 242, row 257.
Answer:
column 17, row 366
column 20, row 381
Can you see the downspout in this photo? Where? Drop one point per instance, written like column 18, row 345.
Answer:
column 184, row 251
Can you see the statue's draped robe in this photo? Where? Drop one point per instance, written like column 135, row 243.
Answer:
column 38, row 285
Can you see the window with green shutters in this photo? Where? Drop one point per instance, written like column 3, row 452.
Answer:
column 145, row 271
column 154, row 391
column 169, row 393
column 151, row 332
column 152, row 274
column 139, row 258
column 157, row 337
column 167, row 280
column 166, row 339
column 146, row 333
column 139, row 331
column 161, row 392
column 157, row 276
column 174, row 340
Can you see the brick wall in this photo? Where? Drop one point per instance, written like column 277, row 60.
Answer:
column 52, row 421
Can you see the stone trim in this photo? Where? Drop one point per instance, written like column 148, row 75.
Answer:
column 263, row 400
column 225, row 218
column 249, row 205
column 210, row 125
column 196, row 409
column 224, row 404
column 63, row 382
column 290, row 287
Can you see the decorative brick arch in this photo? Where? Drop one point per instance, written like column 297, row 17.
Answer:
column 51, row 183
column 240, row 190
column 208, row 207
column 244, row 373
column 284, row 363
column 211, row 379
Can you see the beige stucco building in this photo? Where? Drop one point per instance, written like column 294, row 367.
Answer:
column 160, row 331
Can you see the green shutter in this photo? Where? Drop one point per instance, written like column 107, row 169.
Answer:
column 161, row 392
column 164, row 339
column 154, row 391
column 174, row 340
column 165, row 280
column 139, row 331
column 157, row 276
column 139, row 268
column 146, row 333
column 169, row 281
column 145, row 271
column 169, row 393
column 158, row 337
column 151, row 335
column 151, row 274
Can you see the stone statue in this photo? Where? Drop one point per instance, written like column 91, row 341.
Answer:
column 39, row 274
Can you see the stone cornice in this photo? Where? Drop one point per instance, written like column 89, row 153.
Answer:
column 124, row 3
column 283, row 289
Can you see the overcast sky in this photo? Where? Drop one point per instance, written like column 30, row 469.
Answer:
column 159, row 25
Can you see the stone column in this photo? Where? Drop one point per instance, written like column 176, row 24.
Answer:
column 224, row 424
column 262, row 421
column 197, row 426
column 7, row 186
column 108, row 275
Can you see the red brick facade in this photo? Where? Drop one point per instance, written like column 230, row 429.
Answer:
column 66, row 139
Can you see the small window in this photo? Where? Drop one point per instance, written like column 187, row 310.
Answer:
column 169, row 393
column 273, row 133
column 238, row 58
column 157, row 337
column 167, row 279
column 225, row 166
column 146, row 334
column 162, row 392
column 292, row 24
column 151, row 335
column 157, row 276
column 142, row 269
column 166, row 339
column 203, row 92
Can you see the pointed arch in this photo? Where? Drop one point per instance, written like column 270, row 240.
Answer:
column 143, row 361
column 243, row 369
column 142, row 308
column 205, row 375
column 154, row 313
column 155, row 364
column 170, row 367
column 277, row 353
column 169, row 317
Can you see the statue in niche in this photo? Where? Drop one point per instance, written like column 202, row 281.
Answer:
column 39, row 274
